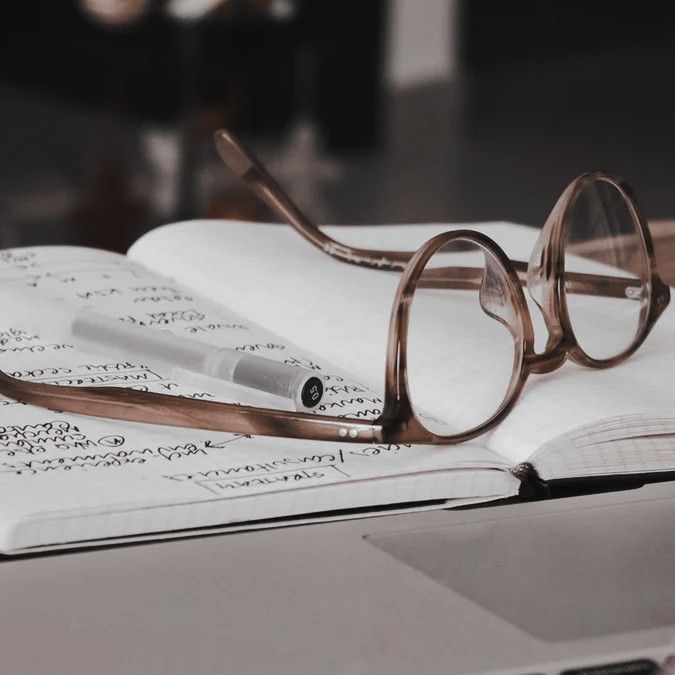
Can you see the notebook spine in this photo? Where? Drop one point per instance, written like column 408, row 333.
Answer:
column 531, row 484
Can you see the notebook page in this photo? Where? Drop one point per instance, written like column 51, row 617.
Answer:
column 270, row 273
column 636, row 446
column 56, row 465
column 342, row 311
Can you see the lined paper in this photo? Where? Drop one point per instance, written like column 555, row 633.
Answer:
column 62, row 474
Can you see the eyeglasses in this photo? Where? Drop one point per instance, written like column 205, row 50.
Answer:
column 592, row 274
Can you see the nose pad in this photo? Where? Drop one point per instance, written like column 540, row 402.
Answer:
column 495, row 299
column 541, row 289
column 536, row 272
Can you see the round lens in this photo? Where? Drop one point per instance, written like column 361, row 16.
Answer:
column 463, row 339
column 606, row 278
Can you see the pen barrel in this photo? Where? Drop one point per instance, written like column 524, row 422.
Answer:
column 99, row 334
column 94, row 333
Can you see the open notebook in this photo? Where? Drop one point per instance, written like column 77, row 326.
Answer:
column 72, row 480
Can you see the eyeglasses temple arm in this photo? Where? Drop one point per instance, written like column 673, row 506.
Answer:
column 470, row 278
column 245, row 165
column 179, row 411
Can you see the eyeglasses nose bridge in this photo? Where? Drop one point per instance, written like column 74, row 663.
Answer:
column 545, row 362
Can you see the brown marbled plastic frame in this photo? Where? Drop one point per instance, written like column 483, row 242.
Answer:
column 544, row 276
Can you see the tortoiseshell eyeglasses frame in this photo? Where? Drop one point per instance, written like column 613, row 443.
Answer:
column 544, row 276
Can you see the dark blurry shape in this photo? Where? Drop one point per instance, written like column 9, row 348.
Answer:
column 108, row 203
column 541, row 91
column 115, row 12
column 348, row 40
column 494, row 34
column 306, row 168
column 246, row 54
column 164, row 74
column 235, row 204
column 636, row 667
column 552, row 87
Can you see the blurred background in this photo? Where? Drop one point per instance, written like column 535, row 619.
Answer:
column 368, row 111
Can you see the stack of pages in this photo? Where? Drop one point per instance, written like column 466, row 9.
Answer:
column 70, row 480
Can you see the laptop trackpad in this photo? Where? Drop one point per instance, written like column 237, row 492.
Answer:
column 558, row 576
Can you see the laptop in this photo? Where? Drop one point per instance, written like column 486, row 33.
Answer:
column 581, row 584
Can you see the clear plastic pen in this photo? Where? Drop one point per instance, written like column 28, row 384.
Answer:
column 99, row 334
